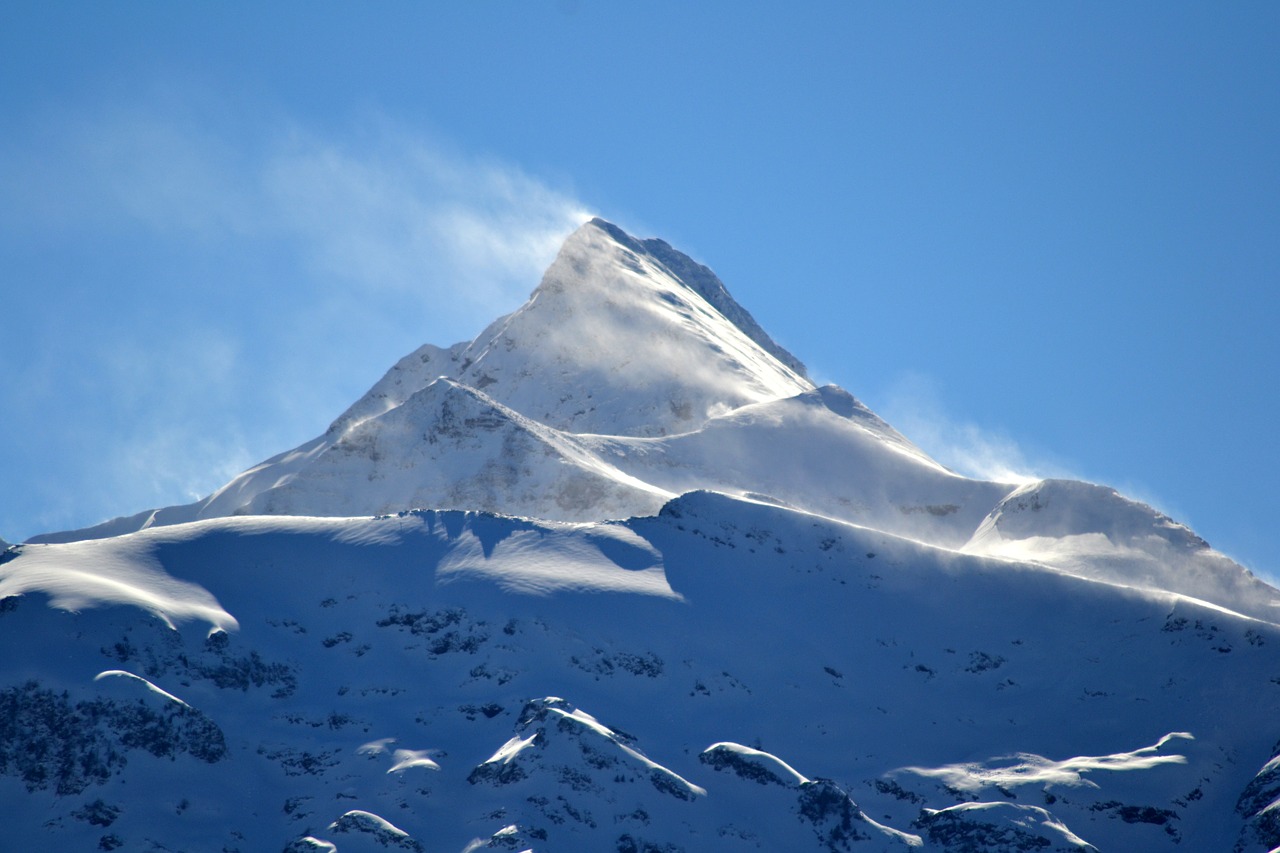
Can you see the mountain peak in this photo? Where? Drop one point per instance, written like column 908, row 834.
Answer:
column 627, row 314
column 627, row 337
column 705, row 283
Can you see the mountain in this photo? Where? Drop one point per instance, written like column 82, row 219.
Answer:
column 613, row 340
column 617, row 576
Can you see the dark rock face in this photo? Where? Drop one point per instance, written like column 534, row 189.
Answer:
column 723, row 758
column 216, row 662
column 49, row 740
column 837, row 820
column 1004, row 828
column 1262, row 827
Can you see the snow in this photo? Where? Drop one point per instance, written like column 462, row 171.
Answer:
column 631, row 377
column 511, row 749
column 114, row 673
column 870, row 475
column 123, row 570
column 842, row 665
column 477, row 455
column 771, row 764
column 358, row 820
column 546, row 560
column 309, row 844
column 1028, row 769
column 375, row 747
column 1095, row 532
column 612, row 342
column 1037, row 828
column 593, row 725
column 406, row 759
column 671, row 359
column 402, row 759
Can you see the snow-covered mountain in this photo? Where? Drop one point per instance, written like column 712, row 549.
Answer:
column 617, row 576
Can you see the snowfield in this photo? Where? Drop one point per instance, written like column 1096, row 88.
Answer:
column 617, row 576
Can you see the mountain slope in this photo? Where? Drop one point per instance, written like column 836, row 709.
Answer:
column 871, row 475
column 613, row 342
column 451, row 446
column 465, row 676
column 1095, row 532
column 622, row 336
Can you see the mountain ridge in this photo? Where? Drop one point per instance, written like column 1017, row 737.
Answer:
column 707, row 285
column 609, row 336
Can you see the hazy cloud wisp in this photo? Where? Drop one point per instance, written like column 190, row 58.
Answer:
column 383, row 210
column 310, row 260
column 915, row 409
column 403, row 217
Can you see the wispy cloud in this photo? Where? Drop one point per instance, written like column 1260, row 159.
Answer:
column 915, row 408
column 382, row 209
column 173, row 449
column 124, row 168
column 395, row 215
column 272, row 271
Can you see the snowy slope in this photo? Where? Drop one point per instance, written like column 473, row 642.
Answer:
column 726, row 675
column 631, row 376
column 870, row 474
column 451, row 446
column 1094, row 531
column 621, row 336
column 672, row 342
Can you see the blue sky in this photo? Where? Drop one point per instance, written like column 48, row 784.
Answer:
column 1041, row 237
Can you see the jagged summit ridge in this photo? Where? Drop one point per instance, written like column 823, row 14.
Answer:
column 707, row 285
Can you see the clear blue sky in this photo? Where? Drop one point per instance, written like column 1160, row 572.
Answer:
column 1044, row 236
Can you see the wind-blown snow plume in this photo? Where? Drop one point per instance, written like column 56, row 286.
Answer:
column 383, row 232
column 914, row 407
column 1026, row 769
column 385, row 210
column 396, row 214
